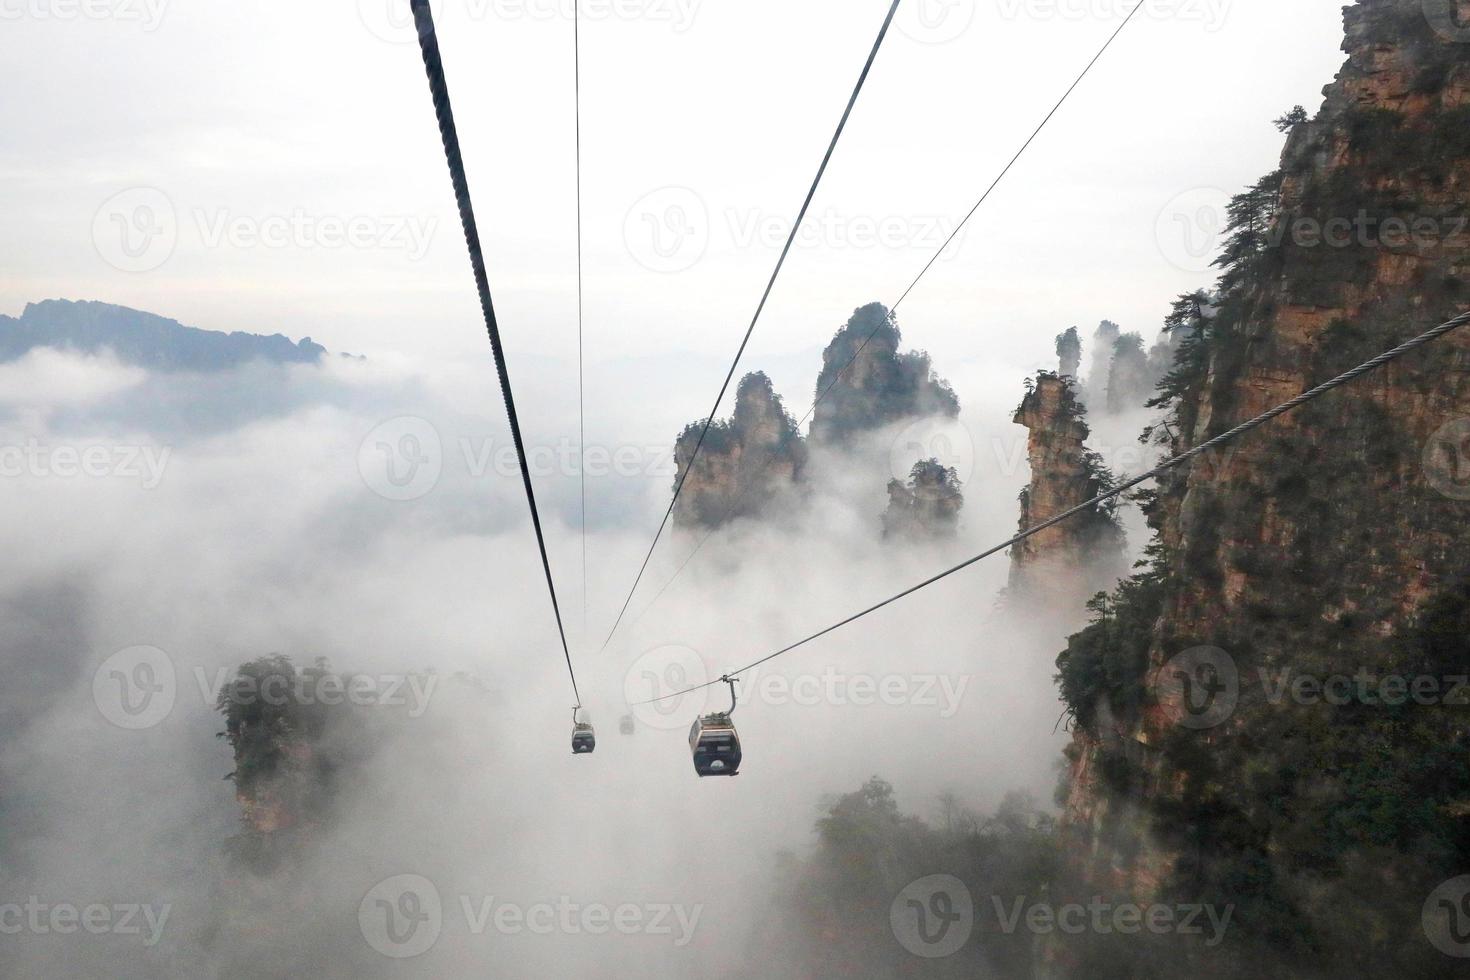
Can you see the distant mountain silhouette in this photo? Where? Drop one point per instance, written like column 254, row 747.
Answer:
column 143, row 339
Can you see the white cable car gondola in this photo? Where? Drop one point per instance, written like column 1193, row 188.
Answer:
column 715, row 743
column 627, row 726
column 584, row 737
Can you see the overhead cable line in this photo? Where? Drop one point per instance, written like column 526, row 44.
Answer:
column 1019, row 153
column 734, row 365
column 581, row 362
column 1170, row 464
column 439, row 90
column 739, row 499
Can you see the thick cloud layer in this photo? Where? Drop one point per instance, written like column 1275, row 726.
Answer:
column 366, row 513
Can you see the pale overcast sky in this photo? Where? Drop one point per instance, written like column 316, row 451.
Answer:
column 233, row 122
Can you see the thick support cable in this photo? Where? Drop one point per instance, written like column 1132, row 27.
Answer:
column 581, row 369
column 439, row 90
column 771, row 285
column 1164, row 467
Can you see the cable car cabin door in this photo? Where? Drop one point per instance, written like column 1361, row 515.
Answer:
column 716, row 747
column 584, row 740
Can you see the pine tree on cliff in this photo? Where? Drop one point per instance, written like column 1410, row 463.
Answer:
column 1069, row 353
column 1292, row 119
column 1251, row 215
column 881, row 386
column 1187, row 326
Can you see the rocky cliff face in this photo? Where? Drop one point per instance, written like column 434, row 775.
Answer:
column 1322, row 547
column 1130, row 384
column 745, row 463
column 881, row 387
column 1069, row 353
column 1104, row 340
column 283, row 781
column 1067, row 563
column 749, row 463
column 928, row 505
column 303, row 738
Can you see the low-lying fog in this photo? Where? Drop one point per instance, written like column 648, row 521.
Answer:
column 225, row 517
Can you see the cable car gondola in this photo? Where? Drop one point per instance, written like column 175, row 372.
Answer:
column 584, row 737
column 626, row 726
column 715, row 743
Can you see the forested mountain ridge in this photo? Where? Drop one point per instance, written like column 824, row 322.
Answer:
column 143, row 339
